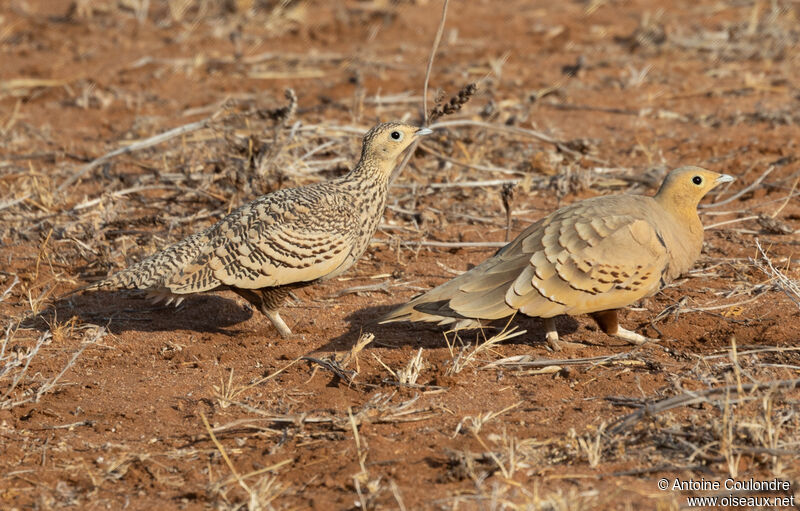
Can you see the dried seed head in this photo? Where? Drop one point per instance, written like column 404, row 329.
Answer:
column 455, row 103
column 283, row 114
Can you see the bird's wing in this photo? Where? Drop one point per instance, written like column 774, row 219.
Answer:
column 593, row 259
column 593, row 255
column 280, row 239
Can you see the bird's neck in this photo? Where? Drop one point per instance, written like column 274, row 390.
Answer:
column 368, row 186
column 683, row 210
column 370, row 174
column 687, row 242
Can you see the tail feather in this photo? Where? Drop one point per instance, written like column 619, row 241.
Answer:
column 155, row 272
column 472, row 296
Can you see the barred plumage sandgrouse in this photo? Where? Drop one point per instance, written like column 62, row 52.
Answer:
column 594, row 256
column 283, row 240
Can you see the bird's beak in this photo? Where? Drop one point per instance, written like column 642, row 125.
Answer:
column 725, row 178
column 423, row 131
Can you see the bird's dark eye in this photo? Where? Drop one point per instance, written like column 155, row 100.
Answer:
column 396, row 135
column 697, row 180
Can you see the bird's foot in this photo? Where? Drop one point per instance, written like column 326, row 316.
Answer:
column 280, row 325
column 632, row 337
column 552, row 341
column 551, row 334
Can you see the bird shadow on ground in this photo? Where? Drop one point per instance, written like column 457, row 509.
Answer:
column 125, row 311
column 431, row 335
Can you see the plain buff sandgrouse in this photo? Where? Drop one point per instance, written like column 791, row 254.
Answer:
column 591, row 257
column 280, row 241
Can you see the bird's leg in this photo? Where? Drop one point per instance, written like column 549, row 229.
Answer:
column 272, row 299
column 278, row 322
column 608, row 321
column 551, row 334
column 268, row 301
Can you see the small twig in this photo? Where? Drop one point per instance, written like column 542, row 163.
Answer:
column 120, row 193
column 657, row 468
column 7, row 367
column 741, row 192
column 143, row 144
column 69, row 426
column 486, row 168
column 13, row 202
column 8, row 291
column 724, row 305
column 507, row 195
column 99, row 334
column 773, row 349
column 788, row 197
column 790, row 287
column 380, row 286
column 728, row 222
column 519, row 131
column 224, row 454
column 436, row 40
column 396, row 493
column 691, row 398
column 361, row 452
column 498, row 127
column 526, row 361
column 413, row 146
column 446, row 244
column 270, row 468
column 570, row 106
column 281, row 114
column 344, row 374
column 465, row 184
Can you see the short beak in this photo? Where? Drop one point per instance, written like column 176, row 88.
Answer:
column 423, row 131
column 725, row 178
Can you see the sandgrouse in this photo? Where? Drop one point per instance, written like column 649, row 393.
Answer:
column 280, row 241
column 591, row 257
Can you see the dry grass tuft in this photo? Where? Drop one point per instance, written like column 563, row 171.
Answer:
column 410, row 373
column 468, row 354
column 260, row 495
column 15, row 362
column 362, row 342
column 789, row 286
column 590, row 444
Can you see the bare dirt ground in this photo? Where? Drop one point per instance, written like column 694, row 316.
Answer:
column 109, row 402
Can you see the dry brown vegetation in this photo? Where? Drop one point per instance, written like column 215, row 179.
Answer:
column 128, row 124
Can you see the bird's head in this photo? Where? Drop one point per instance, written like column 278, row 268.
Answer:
column 386, row 141
column 683, row 188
